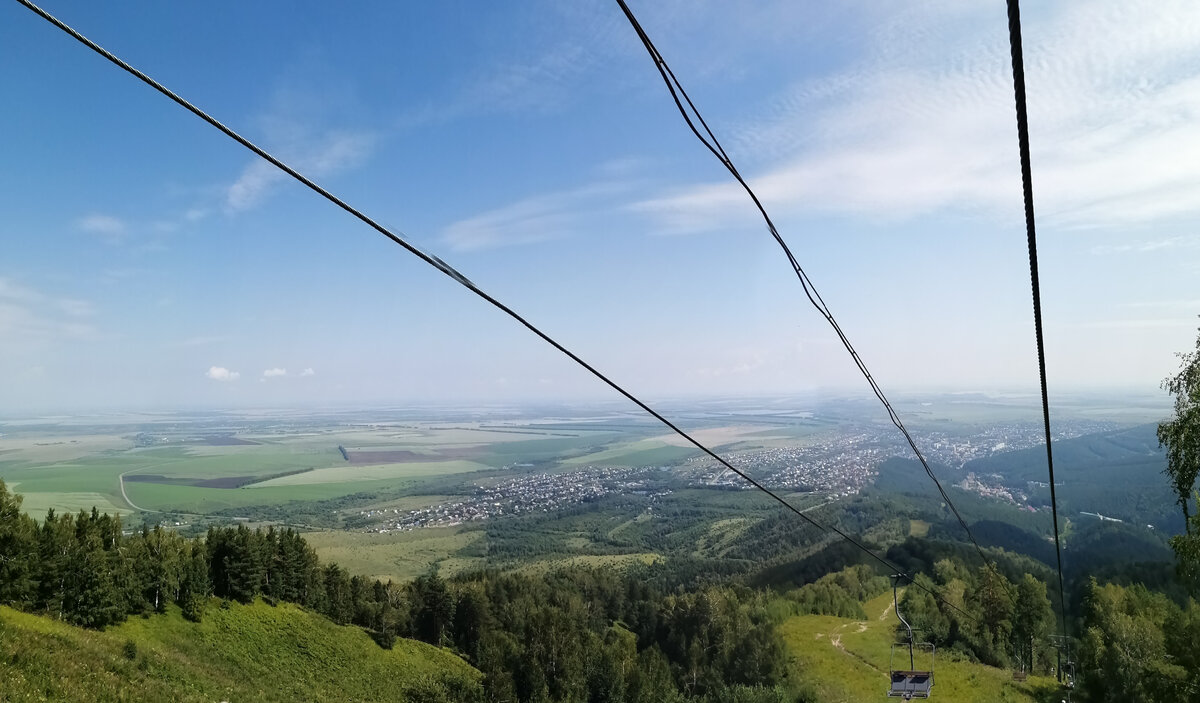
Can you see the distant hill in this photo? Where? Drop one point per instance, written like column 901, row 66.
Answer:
column 1117, row 474
column 250, row 652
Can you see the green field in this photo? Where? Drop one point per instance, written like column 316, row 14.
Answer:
column 847, row 661
column 196, row 472
column 593, row 561
column 240, row 653
column 646, row 452
column 398, row 556
column 918, row 528
column 376, row 472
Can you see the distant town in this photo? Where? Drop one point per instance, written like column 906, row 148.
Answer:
column 831, row 466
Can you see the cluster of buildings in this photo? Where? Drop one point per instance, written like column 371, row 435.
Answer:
column 956, row 451
column 836, row 466
column 994, row 489
column 524, row 495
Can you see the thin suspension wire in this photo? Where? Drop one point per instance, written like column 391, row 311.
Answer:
column 466, row 283
column 680, row 96
column 1018, row 66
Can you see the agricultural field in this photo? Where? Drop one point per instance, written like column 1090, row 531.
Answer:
column 391, row 493
column 200, row 466
column 398, row 557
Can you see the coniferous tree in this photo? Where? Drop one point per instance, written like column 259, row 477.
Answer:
column 18, row 552
column 90, row 597
column 470, row 620
column 339, row 604
column 56, row 540
column 433, row 608
column 194, row 586
column 245, row 567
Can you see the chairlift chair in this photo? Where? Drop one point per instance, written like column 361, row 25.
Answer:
column 912, row 682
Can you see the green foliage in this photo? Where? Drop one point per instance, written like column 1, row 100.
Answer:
column 1180, row 436
column 570, row 635
column 1138, row 646
column 1187, row 554
column 839, row 593
column 982, row 614
column 245, row 653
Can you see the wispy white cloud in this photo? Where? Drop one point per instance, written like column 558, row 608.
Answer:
column 924, row 123
column 535, row 219
column 200, row 341
column 1146, row 246
column 220, row 373
column 319, row 156
column 108, row 228
column 30, row 318
column 275, row 373
column 307, row 372
column 76, row 308
column 1187, row 321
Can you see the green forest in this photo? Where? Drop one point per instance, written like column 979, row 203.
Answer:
column 667, row 631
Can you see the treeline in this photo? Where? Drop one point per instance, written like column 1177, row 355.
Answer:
column 841, row 593
column 981, row 614
column 1138, row 645
column 592, row 635
column 581, row 635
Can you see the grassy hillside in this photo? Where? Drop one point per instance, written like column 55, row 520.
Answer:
column 244, row 653
column 846, row 661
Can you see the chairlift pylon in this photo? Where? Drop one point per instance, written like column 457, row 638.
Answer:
column 909, row 683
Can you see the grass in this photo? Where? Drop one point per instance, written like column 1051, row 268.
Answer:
column 646, row 452
column 397, row 556
column 602, row 561
column 918, row 528
column 36, row 504
column 243, row 653
column 846, row 661
column 721, row 535
column 354, row 473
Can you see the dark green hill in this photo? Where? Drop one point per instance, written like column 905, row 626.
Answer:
column 250, row 652
column 1117, row 474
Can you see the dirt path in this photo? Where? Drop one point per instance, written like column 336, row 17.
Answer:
column 835, row 640
column 121, row 481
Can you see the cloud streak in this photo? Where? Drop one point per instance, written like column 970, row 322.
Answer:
column 30, row 318
column 328, row 154
column 536, row 219
column 925, row 123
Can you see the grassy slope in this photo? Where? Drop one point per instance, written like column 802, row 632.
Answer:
column 245, row 653
column 847, row 661
column 397, row 556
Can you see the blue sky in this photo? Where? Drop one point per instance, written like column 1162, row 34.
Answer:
column 148, row 261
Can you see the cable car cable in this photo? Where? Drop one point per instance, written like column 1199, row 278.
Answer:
column 1018, row 66
column 680, row 96
column 462, row 280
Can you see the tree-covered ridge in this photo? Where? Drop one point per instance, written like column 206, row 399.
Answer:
column 577, row 635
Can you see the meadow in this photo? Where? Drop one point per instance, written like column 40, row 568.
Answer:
column 237, row 653
column 847, row 661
